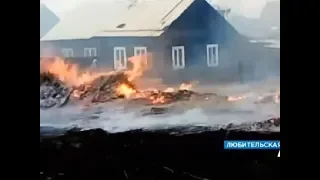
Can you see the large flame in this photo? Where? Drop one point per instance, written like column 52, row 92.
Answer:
column 140, row 65
column 74, row 76
column 68, row 72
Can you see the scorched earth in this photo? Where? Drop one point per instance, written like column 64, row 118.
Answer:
column 119, row 101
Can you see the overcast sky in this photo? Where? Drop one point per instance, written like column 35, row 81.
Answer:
column 248, row 8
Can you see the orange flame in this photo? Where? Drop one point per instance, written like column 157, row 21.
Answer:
column 74, row 76
column 140, row 65
column 157, row 100
column 124, row 89
column 68, row 72
column 235, row 98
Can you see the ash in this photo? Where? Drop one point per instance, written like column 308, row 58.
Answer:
column 118, row 116
column 52, row 91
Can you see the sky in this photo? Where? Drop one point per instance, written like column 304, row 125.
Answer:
column 247, row 8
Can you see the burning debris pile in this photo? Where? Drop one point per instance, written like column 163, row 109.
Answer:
column 117, row 86
column 61, row 81
column 105, row 88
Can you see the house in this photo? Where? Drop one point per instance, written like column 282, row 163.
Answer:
column 47, row 20
column 272, row 49
column 188, row 39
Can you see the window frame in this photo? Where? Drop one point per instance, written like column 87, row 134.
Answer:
column 90, row 52
column 212, row 51
column 67, row 52
column 178, row 63
column 116, row 61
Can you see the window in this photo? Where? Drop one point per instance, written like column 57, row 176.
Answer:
column 212, row 55
column 178, row 59
column 90, row 52
column 141, row 51
column 67, row 52
column 120, row 58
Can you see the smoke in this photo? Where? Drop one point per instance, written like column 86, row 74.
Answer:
column 48, row 49
column 259, row 26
